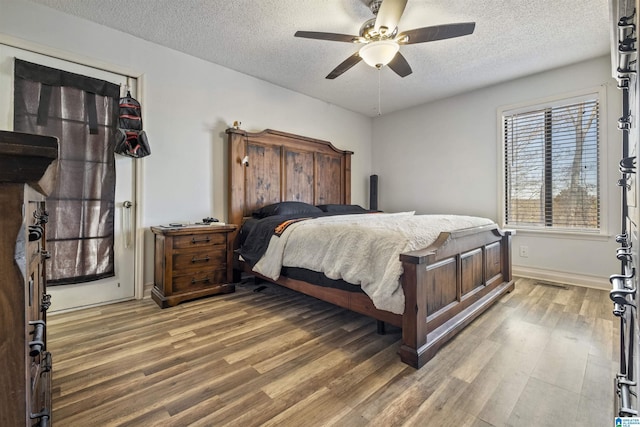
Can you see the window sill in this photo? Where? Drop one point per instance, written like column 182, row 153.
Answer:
column 601, row 235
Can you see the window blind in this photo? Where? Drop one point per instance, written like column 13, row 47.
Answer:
column 82, row 112
column 552, row 166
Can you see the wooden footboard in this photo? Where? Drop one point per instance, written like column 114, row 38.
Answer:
column 446, row 286
column 449, row 284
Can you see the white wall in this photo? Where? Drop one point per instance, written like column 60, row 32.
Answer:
column 187, row 105
column 447, row 152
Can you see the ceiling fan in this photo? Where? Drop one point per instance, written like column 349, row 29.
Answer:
column 380, row 39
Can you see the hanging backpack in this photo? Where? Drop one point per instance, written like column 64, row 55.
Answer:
column 131, row 140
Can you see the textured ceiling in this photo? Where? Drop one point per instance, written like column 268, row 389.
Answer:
column 512, row 39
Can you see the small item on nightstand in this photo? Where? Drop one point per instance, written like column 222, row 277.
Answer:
column 209, row 220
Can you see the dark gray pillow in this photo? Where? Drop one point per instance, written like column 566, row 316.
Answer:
column 351, row 209
column 286, row 208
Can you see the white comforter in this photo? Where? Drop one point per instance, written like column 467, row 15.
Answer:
column 360, row 249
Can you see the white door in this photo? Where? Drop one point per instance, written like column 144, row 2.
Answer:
column 112, row 289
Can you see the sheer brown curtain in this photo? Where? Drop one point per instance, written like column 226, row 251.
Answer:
column 82, row 112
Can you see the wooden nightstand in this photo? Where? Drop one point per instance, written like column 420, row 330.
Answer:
column 192, row 262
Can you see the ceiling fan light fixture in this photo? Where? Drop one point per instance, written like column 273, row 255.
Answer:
column 379, row 53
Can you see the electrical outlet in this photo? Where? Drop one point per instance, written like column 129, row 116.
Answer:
column 524, row 251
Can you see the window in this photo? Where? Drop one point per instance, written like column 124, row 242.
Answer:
column 551, row 165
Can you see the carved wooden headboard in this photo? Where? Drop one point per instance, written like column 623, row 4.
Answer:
column 281, row 167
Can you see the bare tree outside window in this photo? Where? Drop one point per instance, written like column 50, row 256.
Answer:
column 551, row 166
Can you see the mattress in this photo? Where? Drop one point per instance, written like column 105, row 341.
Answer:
column 360, row 250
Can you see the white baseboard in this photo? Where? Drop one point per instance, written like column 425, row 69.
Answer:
column 585, row 280
column 147, row 290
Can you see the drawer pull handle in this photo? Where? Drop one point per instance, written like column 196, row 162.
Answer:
column 45, row 303
column 624, row 254
column 620, row 291
column 37, row 345
column 42, row 217
column 45, row 413
column 44, row 418
column 618, row 309
column 622, row 238
column 205, row 280
column 46, row 362
column 205, row 259
column 205, row 240
column 624, row 396
column 35, row 232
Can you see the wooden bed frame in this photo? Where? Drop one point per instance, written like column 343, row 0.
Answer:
column 446, row 285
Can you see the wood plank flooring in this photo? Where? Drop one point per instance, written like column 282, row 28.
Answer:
column 542, row 356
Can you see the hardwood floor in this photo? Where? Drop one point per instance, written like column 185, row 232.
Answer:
column 544, row 355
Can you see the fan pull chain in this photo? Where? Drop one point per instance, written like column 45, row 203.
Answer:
column 379, row 102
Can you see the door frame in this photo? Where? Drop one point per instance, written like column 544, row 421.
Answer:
column 138, row 276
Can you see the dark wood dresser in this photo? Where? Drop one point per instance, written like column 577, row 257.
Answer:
column 192, row 262
column 27, row 166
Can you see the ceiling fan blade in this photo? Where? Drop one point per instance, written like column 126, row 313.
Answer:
column 326, row 36
column 400, row 65
column 389, row 14
column 437, row 32
column 345, row 65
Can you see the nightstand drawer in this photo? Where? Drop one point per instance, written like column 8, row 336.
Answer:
column 198, row 280
column 199, row 259
column 199, row 240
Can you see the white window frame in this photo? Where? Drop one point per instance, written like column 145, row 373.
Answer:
column 575, row 96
